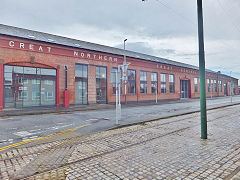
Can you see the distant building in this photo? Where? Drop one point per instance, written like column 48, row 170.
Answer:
column 33, row 68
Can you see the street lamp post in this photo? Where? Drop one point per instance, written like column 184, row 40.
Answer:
column 202, row 71
column 125, row 82
column 211, row 81
column 231, row 86
column 119, row 76
column 117, row 109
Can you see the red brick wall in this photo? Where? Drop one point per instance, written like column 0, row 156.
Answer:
column 36, row 59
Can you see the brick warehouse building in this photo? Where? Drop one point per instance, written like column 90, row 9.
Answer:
column 33, row 73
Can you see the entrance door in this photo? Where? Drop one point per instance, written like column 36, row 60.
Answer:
column 36, row 93
column 80, row 91
column 101, row 85
column 184, row 88
column 81, row 88
column 225, row 89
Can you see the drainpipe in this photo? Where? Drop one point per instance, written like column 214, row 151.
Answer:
column 66, row 92
column 66, row 71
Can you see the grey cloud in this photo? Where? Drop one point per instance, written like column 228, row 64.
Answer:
column 145, row 48
column 133, row 18
column 140, row 47
column 177, row 18
column 129, row 16
column 166, row 52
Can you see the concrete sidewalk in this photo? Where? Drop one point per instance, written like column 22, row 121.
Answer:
column 74, row 108
column 164, row 149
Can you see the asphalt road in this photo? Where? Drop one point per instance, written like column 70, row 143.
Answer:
column 15, row 129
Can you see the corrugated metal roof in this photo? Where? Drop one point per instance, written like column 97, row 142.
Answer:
column 59, row 40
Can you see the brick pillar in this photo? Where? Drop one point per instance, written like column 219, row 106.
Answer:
column 138, row 84
column 190, row 89
column 1, row 86
column 109, row 85
column 57, row 95
column 177, row 85
column 91, row 84
column 159, row 82
column 149, row 89
column 167, row 84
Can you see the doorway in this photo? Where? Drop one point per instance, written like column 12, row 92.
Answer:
column 101, row 85
column 225, row 89
column 185, row 90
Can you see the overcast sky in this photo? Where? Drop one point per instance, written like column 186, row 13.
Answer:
column 164, row 28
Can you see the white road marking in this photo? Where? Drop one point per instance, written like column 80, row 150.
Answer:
column 91, row 120
column 29, row 138
column 5, row 119
column 23, row 133
column 34, row 130
column 59, row 127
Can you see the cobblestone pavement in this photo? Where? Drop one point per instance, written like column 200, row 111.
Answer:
column 236, row 177
column 164, row 149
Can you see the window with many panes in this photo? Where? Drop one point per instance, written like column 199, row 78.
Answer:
column 48, row 95
column 220, row 84
column 171, row 83
column 81, row 84
column 35, row 94
column 22, row 95
column 212, row 85
column 131, row 81
column 154, row 82
column 22, row 80
column 215, row 85
column 143, row 82
column 48, row 82
column 209, row 85
column 101, row 85
column 35, row 81
column 25, row 86
column 196, row 84
column 163, row 83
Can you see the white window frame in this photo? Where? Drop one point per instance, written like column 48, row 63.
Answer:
column 20, row 97
column 34, row 81
column 47, row 95
column 33, row 97
column 48, row 82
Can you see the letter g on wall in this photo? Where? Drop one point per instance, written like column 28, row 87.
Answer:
column 11, row 43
